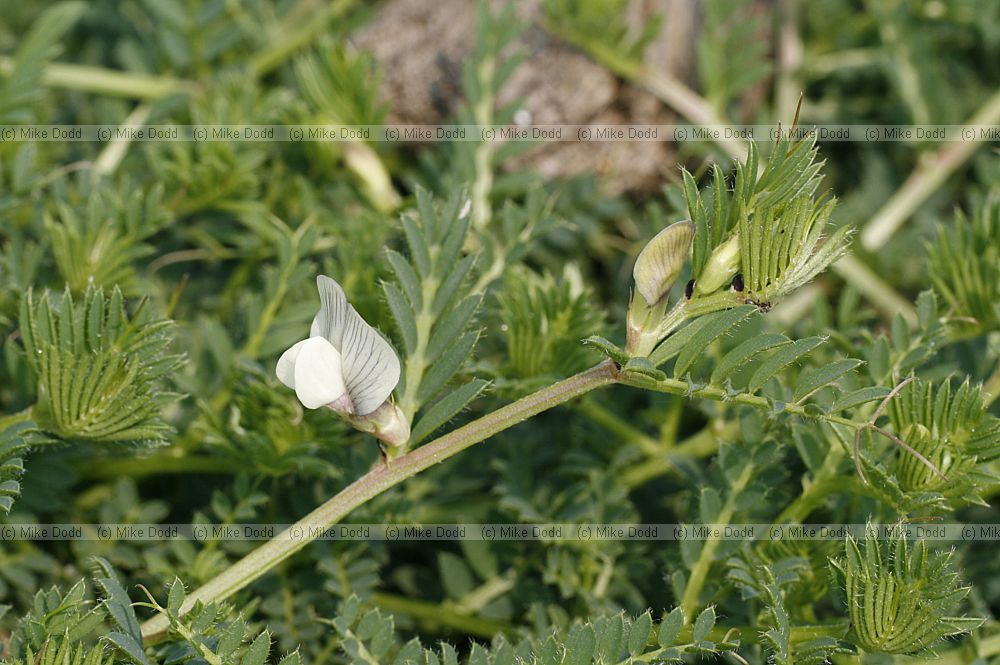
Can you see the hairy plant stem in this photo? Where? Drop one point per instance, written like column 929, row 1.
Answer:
column 21, row 416
column 698, row 445
column 416, row 362
column 106, row 81
column 699, row 573
column 927, row 177
column 434, row 617
column 376, row 481
column 679, row 387
column 387, row 475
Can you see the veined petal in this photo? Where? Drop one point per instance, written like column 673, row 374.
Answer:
column 334, row 312
column 370, row 365
column 660, row 261
column 318, row 373
column 285, row 368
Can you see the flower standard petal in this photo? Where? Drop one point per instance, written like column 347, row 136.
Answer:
column 318, row 377
column 660, row 261
column 370, row 365
column 285, row 368
column 371, row 368
column 334, row 311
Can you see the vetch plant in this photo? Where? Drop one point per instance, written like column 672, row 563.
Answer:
column 164, row 357
column 712, row 316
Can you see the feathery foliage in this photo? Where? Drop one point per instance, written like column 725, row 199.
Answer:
column 767, row 584
column 100, row 371
column 901, row 597
column 543, row 319
column 15, row 441
column 753, row 387
column 20, row 89
column 434, row 307
column 965, row 264
column 950, row 428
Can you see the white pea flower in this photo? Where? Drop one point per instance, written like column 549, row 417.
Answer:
column 347, row 366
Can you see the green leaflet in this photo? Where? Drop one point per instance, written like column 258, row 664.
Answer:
column 766, row 582
column 702, row 328
column 452, row 325
column 406, row 278
column 780, row 359
column 952, row 429
column 643, row 366
column 892, row 587
column 431, row 300
column 258, row 651
column 175, row 598
column 673, row 345
column 402, row 312
column 670, row 628
column 446, row 408
column 815, row 378
column 858, row 397
column 543, row 318
column 20, row 89
column 15, row 441
column 745, row 352
column 703, row 625
column 639, row 634
column 608, row 348
column 714, row 326
column 62, row 652
column 119, row 606
column 964, row 262
column 450, row 285
column 445, row 366
column 367, row 635
column 698, row 215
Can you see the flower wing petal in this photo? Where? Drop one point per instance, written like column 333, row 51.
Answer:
column 285, row 368
column 318, row 373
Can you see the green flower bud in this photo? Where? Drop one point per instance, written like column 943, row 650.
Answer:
column 721, row 267
column 387, row 423
column 660, row 261
column 656, row 269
